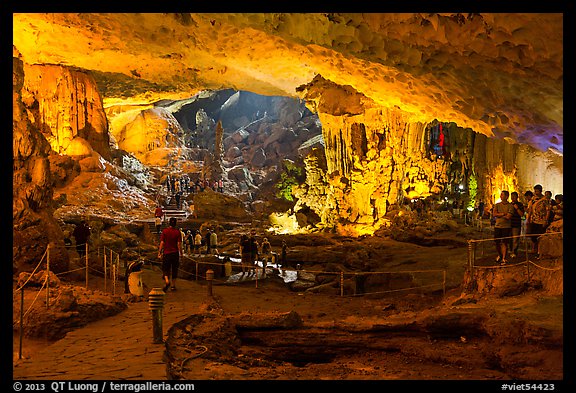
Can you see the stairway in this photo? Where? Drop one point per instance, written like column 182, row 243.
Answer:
column 171, row 210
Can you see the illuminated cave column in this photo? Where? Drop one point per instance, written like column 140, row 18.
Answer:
column 369, row 160
column 67, row 109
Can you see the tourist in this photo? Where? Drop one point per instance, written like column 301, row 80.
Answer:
column 266, row 253
column 214, row 243
column 81, row 234
column 245, row 254
column 537, row 217
column 558, row 208
column 551, row 204
column 527, row 198
column 207, row 238
column 168, row 184
column 177, row 188
column 220, row 186
column 516, row 223
column 192, row 210
column 158, row 223
column 178, row 196
column 197, row 243
column 189, row 241
column 253, row 248
column 158, row 212
column 502, row 213
column 284, row 249
column 170, row 251
column 481, row 210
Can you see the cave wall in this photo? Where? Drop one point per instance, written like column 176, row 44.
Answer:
column 67, row 108
column 34, row 226
column 139, row 131
column 376, row 157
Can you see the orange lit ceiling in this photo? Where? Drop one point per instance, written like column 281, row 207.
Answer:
column 499, row 74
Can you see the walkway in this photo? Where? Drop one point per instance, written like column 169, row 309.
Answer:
column 119, row 347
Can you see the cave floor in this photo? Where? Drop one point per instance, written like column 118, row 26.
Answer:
column 337, row 340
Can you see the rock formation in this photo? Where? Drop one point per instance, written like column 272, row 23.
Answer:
column 357, row 99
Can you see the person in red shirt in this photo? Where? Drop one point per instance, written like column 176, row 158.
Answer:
column 170, row 251
column 159, row 212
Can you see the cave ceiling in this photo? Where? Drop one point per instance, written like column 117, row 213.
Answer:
column 500, row 74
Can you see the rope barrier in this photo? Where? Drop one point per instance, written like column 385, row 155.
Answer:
column 393, row 290
column 30, row 307
column 499, row 266
column 442, row 284
column 544, row 268
column 491, row 239
column 34, row 271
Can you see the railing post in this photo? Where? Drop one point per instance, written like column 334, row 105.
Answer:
column 86, row 248
column 156, row 304
column 48, row 276
column 105, row 263
column 341, row 283
column 21, row 322
column 471, row 255
column 209, row 279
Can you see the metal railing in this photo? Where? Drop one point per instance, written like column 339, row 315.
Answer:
column 473, row 252
column 110, row 264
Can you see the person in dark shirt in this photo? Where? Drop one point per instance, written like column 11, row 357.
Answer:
column 81, row 235
column 245, row 254
column 516, row 222
column 170, row 250
column 253, row 248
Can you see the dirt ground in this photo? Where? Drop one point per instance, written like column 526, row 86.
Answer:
column 266, row 329
column 273, row 334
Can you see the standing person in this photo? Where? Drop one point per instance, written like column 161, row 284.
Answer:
column 158, row 212
column 220, row 186
column 253, row 248
column 527, row 198
column 189, row 241
column 170, row 250
column 81, row 234
column 214, row 243
column 207, row 238
column 481, row 210
column 537, row 217
column 516, row 223
column 266, row 253
column 245, row 254
column 178, row 195
column 558, row 208
column 168, row 184
column 502, row 212
column 551, row 204
column 158, row 223
column 284, row 249
column 191, row 209
column 197, row 243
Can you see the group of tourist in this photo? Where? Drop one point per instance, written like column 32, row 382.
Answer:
column 178, row 184
column 539, row 212
column 174, row 243
column 195, row 244
column 251, row 251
